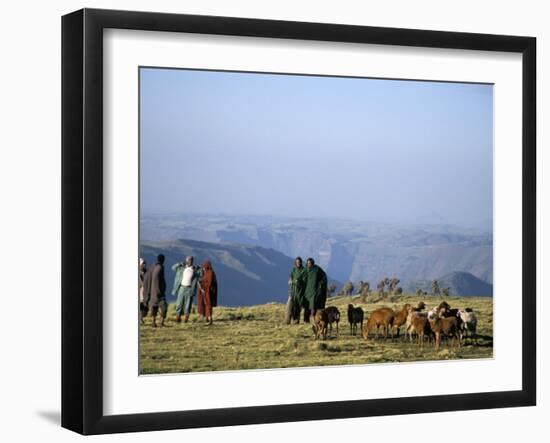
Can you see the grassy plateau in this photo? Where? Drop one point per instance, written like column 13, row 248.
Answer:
column 257, row 337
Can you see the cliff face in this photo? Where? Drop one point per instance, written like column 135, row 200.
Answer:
column 347, row 250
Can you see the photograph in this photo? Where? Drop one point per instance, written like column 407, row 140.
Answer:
column 291, row 220
column 261, row 221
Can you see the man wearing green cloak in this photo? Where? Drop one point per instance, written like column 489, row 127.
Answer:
column 298, row 278
column 316, row 288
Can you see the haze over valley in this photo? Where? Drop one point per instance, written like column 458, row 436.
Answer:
column 256, row 252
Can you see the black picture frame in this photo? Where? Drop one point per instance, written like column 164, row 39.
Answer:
column 82, row 218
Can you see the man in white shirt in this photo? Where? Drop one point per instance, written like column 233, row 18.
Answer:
column 185, row 287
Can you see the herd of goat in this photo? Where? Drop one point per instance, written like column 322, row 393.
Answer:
column 435, row 324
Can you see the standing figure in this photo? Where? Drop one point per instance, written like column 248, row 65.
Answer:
column 142, row 306
column 289, row 308
column 316, row 288
column 185, row 287
column 298, row 277
column 154, row 291
column 208, row 292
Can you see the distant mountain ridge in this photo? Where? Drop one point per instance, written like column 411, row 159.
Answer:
column 247, row 275
column 346, row 249
column 459, row 283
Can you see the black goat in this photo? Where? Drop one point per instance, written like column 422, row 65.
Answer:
column 355, row 317
column 333, row 316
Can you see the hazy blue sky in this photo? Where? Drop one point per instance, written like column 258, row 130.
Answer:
column 385, row 150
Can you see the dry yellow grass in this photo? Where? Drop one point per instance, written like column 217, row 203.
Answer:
column 257, row 337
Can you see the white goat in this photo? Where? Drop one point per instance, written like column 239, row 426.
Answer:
column 469, row 321
column 433, row 313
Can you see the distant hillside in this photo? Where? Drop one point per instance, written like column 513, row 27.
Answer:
column 346, row 249
column 460, row 283
column 247, row 275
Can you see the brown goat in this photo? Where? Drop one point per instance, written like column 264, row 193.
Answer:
column 400, row 318
column 419, row 324
column 320, row 324
column 382, row 317
column 413, row 311
column 448, row 326
column 333, row 316
column 446, row 312
column 411, row 315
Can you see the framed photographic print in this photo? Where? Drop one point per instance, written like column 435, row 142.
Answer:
column 256, row 210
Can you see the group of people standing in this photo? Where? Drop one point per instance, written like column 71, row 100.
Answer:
column 307, row 289
column 189, row 279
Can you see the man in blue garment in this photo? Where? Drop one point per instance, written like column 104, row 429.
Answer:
column 185, row 287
